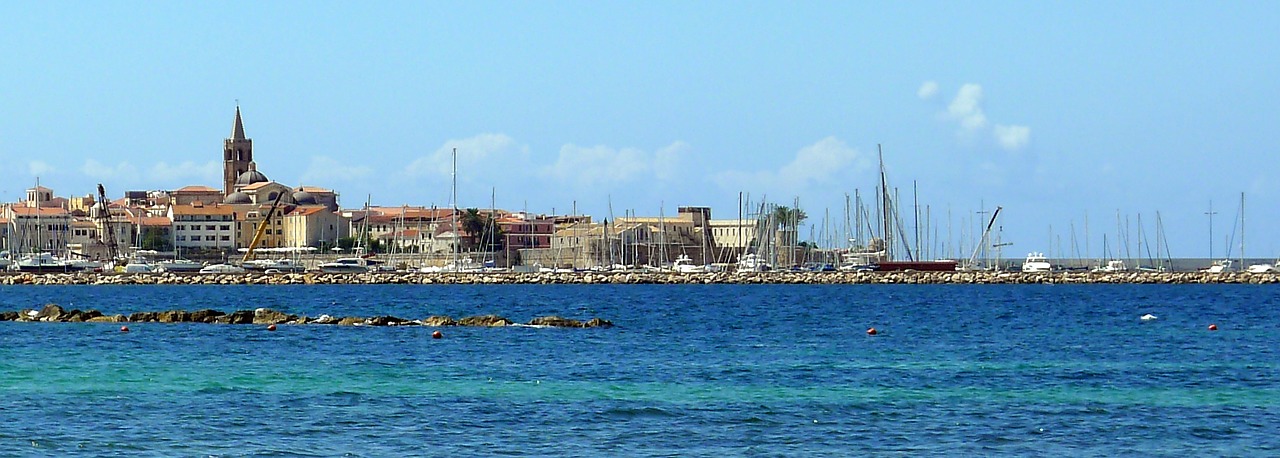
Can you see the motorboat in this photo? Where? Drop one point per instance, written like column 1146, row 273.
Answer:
column 279, row 265
column 140, row 265
column 1036, row 263
column 1219, row 267
column 1114, row 265
column 685, row 265
column 1262, row 268
column 45, row 263
column 222, row 269
column 179, row 265
column 346, row 265
column 751, row 262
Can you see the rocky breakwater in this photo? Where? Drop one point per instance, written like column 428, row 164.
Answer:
column 53, row 313
column 907, row 277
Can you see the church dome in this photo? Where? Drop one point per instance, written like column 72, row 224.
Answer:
column 304, row 198
column 250, row 177
column 238, row 198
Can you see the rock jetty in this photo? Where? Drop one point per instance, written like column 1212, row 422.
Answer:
column 263, row 316
column 639, row 278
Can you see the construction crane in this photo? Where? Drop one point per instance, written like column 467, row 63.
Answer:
column 983, row 242
column 262, row 228
column 108, row 237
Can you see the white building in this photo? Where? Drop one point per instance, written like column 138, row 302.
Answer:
column 199, row 226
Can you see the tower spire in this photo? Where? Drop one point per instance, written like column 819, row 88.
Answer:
column 237, row 132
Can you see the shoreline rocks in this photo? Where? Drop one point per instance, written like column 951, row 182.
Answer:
column 54, row 313
column 383, row 278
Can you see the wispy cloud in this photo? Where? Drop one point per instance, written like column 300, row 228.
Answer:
column 473, row 153
column 927, row 90
column 966, row 110
column 821, row 163
column 324, row 170
column 1012, row 138
column 123, row 171
column 187, row 172
column 604, row 167
column 38, row 168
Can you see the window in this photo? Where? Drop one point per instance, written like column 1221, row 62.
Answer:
column 279, row 232
column 225, row 227
column 226, row 238
column 182, row 238
column 209, row 227
column 210, row 238
column 182, row 227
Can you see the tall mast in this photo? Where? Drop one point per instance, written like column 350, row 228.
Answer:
column 884, row 195
column 457, row 235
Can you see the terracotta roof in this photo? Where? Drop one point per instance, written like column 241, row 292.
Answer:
column 197, row 188
column 308, row 210
column 156, row 221
column 314, row 189
column 260, row 185
column 203, row 210
column 32, row 211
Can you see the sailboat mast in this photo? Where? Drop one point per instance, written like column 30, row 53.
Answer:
column 457, row 235
column 884, row 205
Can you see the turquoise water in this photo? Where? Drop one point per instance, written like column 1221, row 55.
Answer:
column 692, row 370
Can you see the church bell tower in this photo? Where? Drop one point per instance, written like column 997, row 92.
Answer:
column 237, row 153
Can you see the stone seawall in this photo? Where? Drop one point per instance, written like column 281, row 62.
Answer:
column 53, row 313
column 642, row 278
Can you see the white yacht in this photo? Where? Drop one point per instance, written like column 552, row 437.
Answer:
column 1262, row 268
column 1036, row 262
column 279, row 265
column 1114, row 265
column 179, row 265
column 685, row 265
column 1219, row 267
column 751, row 262
column 45, row 263
column 346, row 265
column 222, row 269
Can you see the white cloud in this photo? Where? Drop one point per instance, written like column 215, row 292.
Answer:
column 1012, row 138
column 927, row 90
column 121, row 171
column 603, row 166
column 324, row 169
column 816, row 164
column 474, row 153
column 967, row 107
column 187, row 172
column 38, row 168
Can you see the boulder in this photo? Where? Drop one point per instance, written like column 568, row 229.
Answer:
column 351, row 321
column 387, row 321
column 141, row 317
column 205, row 316
column 174, row 316
column 268, row 316
column 325, row 319
column 50, row 312
column 484, row 321
column 439, row 320
column 597, row 323
column 108, row 319
column 236, row 317
column 8, row 316
column 555, row 321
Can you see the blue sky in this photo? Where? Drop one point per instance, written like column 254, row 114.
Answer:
column 1054, row 111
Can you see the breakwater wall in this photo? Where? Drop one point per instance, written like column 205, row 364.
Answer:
column 56, row 314
column 642, row 278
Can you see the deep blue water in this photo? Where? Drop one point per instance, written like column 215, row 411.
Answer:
column 714, row 370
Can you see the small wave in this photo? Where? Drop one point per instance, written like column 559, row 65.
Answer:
column 639, row 412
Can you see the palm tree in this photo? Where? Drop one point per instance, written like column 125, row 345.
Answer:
column 481, row 233
column 787, row 221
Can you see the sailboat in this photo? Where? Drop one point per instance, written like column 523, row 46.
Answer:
column 889, row 213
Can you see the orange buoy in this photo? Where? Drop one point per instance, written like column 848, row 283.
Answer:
column 437, row 335
column 1213, row 327
column 872, row 332
column 124, row 329
column 271, row 327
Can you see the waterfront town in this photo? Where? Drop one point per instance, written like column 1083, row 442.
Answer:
column 309, row 225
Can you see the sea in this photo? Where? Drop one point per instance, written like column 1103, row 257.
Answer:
column 688, row 370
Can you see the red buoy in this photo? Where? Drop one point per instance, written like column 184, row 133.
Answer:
column 124, row 329
column 437, row 335
column 1213, row 327
column 872, row 332
column 271, row 327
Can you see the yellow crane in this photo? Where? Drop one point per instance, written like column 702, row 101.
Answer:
column 262, row 228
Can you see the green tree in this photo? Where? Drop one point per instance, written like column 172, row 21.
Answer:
column 154, row 240
column 482, row 233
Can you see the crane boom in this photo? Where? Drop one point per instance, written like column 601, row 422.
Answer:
column 108, row 237
column 982, row 243
column 262, row 228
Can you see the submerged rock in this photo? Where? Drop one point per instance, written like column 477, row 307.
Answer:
column 485, row 321
column 555, row 321
column 439, row 320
